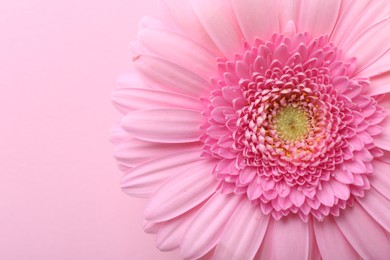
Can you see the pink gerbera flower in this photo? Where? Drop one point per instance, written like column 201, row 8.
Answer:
column 258, row 129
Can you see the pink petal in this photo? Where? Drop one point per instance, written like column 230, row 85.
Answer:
column 381, row 178
column 169, row 76
column 243, row 234
column 378, row 67
column 131, row 79
column 179, row 50
column 289, row 12
column 208, row 226
column 340, row 190
column 383, row 140
column 297, row 197
column 318, row 17
column 377, row 206
column 130, row 99
column 257, row 18
column 144, row 179
column 151, row 227
column 331, row 242
column 291, row 239
column 325, row 195
column 124, row 151
column 379, row 85
column 365, row 235
column 377, row 37
column 171, row 233
column 164, row 125
column 350, row 16
column 218, row 19
column 182, row 192
column 181, row 14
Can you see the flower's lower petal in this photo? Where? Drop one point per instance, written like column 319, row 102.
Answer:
column 166, row 75
column 151, row 227
column 257, row 18
column 164, row 125
column 377, row 37
column 377, row 206
column 144, row 179
column 381, row 178
column 207, row 227
column 182, row 16
column 131, row 79
column 124, row 151
column 182, row 192
column 218, row 19
column 179, row 50
column 383, row 139
column 364, row 234
column 289, row 10
column 171, row 234
column 266, row 249
column 243, row 234
column 318, row 17
column 130, row 99
column 331, row 242
column 379, row 85
column 291, row 239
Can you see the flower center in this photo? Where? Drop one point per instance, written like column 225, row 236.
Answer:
column 292, row 123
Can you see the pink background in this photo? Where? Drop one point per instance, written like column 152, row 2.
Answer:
column 59, row 185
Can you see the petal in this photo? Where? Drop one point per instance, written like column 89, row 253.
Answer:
column 181, row 14
column 179, row 50
column 131, row 79
column 289, row 12
column 164, row 125
column 182, row 192
column 325, row 195
column 380, row 180
column 379, row 85
column 171, row 232
column 218, row 19
column 257, row 18
column 365, row 235
column 169, row 76
column 331, row 242
column 243, row 234
column 130, row 99
column 340, row 190
column 377, row 37
column 319, row 17
column 377, row 206
column 132, row 152
column 207, row 227
column 378, row 67
column 291, row 239
column 383, row 140
column 146, row 178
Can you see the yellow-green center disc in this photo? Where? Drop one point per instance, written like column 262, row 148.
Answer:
column 292, row 123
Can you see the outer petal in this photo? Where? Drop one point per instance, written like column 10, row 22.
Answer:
column 243, row 234
column 383, row 140
column 164, row 125
column 144, row 179
column 291, row 239
column 183, row 18
column 179, row 50
column 208, row 226
column 218, row 19
column 166, row 75
column 257, row 18
column 365, row 235
column 146, row 151
column 319, row 17
column 381, row 178
column 182, row 192
column 377, row 206
column 377, row 37
column 130, row 99
column 331, row 241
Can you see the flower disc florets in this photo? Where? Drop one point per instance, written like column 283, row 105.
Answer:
column 291, row 128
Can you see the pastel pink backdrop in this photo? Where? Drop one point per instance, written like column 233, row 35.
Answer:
column 59, row 185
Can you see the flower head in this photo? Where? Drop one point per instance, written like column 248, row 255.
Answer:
column 249, row 121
